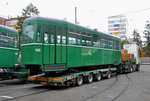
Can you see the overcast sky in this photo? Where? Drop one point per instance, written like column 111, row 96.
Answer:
column 91, row 13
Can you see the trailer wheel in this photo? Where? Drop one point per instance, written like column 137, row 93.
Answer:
column 138, row 67
column 109, row 75
column 90, row 78
column 98, row 76
column 131, row 69
column 79, row 80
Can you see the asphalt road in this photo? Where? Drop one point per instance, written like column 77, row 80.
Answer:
column 138, row 84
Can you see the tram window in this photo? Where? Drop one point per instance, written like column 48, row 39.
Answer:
column 52, row 29
column 74, row 37
column 46, row 34
column 16, row 41
column 10, row 40
column 71, row 30
column 6, row 40
column 114, row 44
column 117, row 45
column 104, row 43
column 83, row 39
column 96, row 42
column 64, row 36
column 58, row 35
column 4, row 34
column 78, row 37
column 39, row 34
column 110, row 44
column 28, row 33
column 86, row 39
column 10, row 35
column 99, row 41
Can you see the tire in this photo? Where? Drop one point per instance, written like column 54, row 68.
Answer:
column 98, row 76
column 90, row 78
column 79, row 80
column 130, row 69
column 134, row 68
column 137, row 67
column 109, row 75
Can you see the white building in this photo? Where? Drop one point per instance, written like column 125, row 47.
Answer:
column 117, row 25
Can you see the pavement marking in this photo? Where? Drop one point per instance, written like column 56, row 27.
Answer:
column 8, row 97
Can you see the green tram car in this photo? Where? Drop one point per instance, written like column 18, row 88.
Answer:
column 51, row 45
column 8, row 49
column 9, row 52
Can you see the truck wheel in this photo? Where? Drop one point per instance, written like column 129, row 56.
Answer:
column 90, row 78
column 130, row 69
column 134, row 68
column 98, row 76
column 109, row 75
column 79, row 80
column 137, row 67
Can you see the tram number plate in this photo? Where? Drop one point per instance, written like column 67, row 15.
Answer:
column 43, row 83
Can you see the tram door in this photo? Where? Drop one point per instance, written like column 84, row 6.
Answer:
column 46, row 45
column 54, row 45
column 60, row 45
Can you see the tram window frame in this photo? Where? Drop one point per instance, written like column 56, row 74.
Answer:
column 102, row 41
column 52, row 34
column 64, row 35
column 86, row 39
column 7, row 40
column 74, row 37
column 28, row 33
column 46, row 32
column 117, row 44
column 110, row 44
column 59, row 32
column 39, row 33
column 95, row 41
column 105, row 42
column 16, row 42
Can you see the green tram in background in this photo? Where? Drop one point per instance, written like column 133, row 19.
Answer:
column 9, row 52
column 51, row 45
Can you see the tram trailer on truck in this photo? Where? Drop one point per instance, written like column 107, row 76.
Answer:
column 59, row 51
column 9, row 53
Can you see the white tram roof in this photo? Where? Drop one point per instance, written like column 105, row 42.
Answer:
column 63, row 22
column 8, row 28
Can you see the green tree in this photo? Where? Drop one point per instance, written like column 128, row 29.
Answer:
column 27, row 12
column 137, row 38
column 124, row 42
column 147, row 37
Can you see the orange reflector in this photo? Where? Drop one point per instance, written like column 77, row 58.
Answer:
column 31, row 78
column 56, row 79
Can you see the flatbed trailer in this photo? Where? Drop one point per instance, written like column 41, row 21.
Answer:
column 10, row 73
column 66, row 79
column 78, row 77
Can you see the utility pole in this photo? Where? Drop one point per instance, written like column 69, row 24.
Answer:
column 75, row 15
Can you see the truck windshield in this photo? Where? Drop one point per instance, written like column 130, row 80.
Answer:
column 28, row 34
